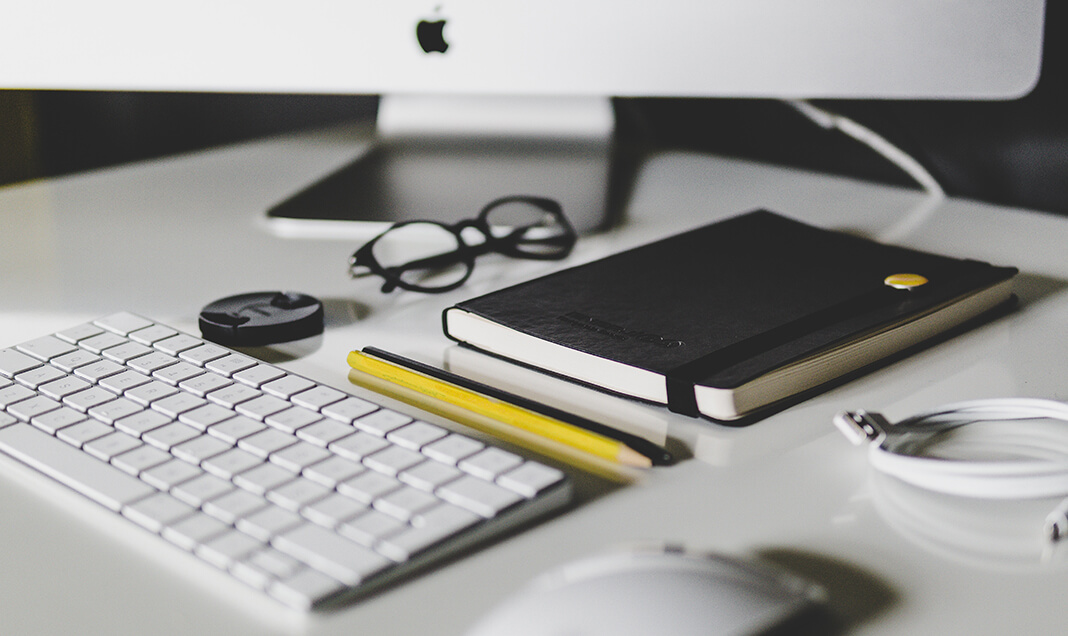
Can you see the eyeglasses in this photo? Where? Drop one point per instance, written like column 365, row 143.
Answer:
column 433, row 257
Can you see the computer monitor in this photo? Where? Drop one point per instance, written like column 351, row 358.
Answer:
column 517, row 93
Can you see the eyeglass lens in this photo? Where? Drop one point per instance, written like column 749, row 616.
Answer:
column 534, row 231
column 420, row 255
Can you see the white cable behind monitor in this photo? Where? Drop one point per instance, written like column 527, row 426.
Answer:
column 833, row 121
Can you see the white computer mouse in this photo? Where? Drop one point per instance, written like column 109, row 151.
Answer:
column 653, row 590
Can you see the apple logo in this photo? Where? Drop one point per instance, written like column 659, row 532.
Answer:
column 431, row 35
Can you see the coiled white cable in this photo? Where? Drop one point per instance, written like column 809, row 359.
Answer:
column 1012, row 448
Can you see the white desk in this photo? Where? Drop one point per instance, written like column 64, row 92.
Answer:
column 164, row 238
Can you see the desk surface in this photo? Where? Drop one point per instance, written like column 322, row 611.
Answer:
column 163, row 238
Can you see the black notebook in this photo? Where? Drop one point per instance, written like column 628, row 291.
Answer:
column 731, row 318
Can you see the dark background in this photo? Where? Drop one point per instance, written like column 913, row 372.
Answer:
column 1012, row 152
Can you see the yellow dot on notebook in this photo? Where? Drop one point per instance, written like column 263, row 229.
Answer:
column 905, row 281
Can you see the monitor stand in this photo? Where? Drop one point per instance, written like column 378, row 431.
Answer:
column 445, row 158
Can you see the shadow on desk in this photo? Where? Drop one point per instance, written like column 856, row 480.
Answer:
column 854, row 596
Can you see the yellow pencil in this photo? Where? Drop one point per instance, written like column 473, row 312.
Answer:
column 525, row 427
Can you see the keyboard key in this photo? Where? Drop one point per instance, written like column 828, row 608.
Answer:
column 368, row 486
column 170, row 435
column 258, row 375
column 349, row 409
column 36, row 405
column 123, row 323
column 140, row 423
column 267, row 442
column 114, row 410
column 98, row 370
column 200, row 448
column 329, row 553
column 317, row 397
column 234, row 505
column 15, row 393
column 178, row 372
column 111, row 445
column 228, row 548
column 269, row 522
column 203, row 354
column 405, row 503
column 175, row 405
column 262, row 406
column 127, row 352
column 230, row 463
column 141, row 358
column 194, row 530
column 416, row 436
column 292, row 419
column 170, row 474
column 382, row 422
column 152, row 334
column 124, row 381
column 429, row 475
column 46, row 348
column 146, row 394
column 97, row 344
column 490, row 463
column 303, row 589
column 43, row 374
column 297, row 494
column 230, row 364
column 325, row 432
column 7, row 420
column 233, row 395
column 61, row 388
column 73, row 360
column 299, row 456
column 235, row 428
column 480, row 497
column 91, row 477
column 157, row 511
column 453, row 448
column 436, row 526
column 371, row 527
column 393, row 460
column 81, row 332
column 287, row 386
column 175, row 344
column 86, row 431
column 14, row 362
column 332, row 510
column 205, row 416
column 205, row 383
column 202, row 488
column 333, row 470
column 530, row 479
column 140, row 459
column 263, row 567
column 53, row 421
column 263, row 478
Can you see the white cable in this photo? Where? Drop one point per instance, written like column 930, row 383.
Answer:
column 868, row 137
column 1016, row 448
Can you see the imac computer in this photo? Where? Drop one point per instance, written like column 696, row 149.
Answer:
column 482, row 99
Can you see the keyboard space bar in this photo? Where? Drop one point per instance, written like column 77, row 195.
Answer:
column 101, row 482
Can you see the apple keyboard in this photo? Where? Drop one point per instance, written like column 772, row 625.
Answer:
column 302, row 491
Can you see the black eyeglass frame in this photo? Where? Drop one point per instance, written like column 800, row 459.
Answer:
column 510, row 244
